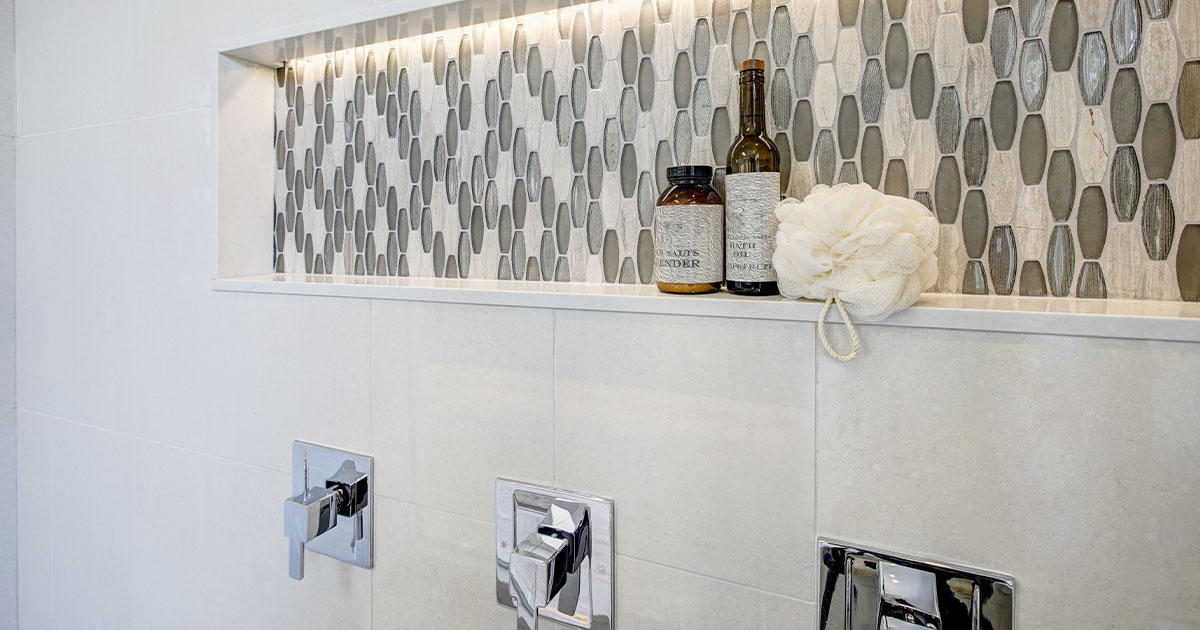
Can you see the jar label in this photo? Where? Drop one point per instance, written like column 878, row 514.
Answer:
column 750, row 226
column 687, row 244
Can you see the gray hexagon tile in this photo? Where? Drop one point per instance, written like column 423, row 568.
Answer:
column 1057, row 142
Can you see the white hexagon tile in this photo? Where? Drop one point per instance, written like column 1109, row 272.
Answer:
column 1057, row 141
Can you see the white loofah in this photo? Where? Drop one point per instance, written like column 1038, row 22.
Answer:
column 856, row 246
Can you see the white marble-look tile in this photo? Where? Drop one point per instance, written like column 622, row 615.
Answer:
column 951, row 258
column 948, row 48
column 697, row 421
column 1093, row 145
column 802, row 15
column 1092, row 12
column 1028, row 454
column 921, row 21
column 981, row 79
column 1124, row 256
column 460, row 395
column 848, row 63
column 825, row 26
column 1061, row 110
column 897, row 123
column 825, row 95
column 1031, row 224
column 1160, row 73
column 1187, row 27
column 1188, row 180
column 922, row 154
column 1158, row 281
column 1003, row 186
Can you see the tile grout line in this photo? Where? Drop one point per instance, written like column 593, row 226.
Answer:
column 371, row 446
column 108, row 123
column 554, row 393
column 750, row 587
column 816, row 486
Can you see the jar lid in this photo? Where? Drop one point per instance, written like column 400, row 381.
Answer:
column 690, row 171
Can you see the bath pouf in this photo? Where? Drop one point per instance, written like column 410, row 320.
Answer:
column 869, row 253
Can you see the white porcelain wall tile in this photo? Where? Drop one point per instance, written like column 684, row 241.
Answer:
column 681, row 421
column 1091, row 474
column 8, row 519
column 34, row 531
column 435, row 570
column 653, row 596
column 7, row 67
column 126, row 334
column 460, row 395
column 8, row 288
column 285, row 359
column 92, row 40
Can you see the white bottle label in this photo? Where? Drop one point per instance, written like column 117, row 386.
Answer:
column 750, row 226
column 688, row 247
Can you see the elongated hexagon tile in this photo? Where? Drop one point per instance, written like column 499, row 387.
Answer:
column 948, row 48
column 1094, row 144
column 848, row 62
column 825, row 94
column 922, row 22
column 825, row 27
column 897, row 122
column 1159, row 74
column 979, row 80
column 922, row 154
column 1003, row 186
column 952, row 259
column 1188, row 181
column 1031, row 224
column 1187, row 27
column 1124, row 256
column 1062, row 109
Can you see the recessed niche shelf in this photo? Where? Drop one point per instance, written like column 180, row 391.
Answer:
column 599, row 159
column 1126, row 319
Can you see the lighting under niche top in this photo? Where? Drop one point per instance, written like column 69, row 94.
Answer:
column 532, row 145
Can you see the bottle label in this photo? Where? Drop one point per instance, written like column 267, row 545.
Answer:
column 750, row 226
column 687, row 244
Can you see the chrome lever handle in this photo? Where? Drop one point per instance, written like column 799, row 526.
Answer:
column 540, row 564
column 306, row 516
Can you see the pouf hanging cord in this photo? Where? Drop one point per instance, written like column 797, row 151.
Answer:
column 849, row 328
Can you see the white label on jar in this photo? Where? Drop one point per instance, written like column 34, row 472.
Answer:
column 688, row 244
column 750, row 226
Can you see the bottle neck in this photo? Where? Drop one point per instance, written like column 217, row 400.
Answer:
column 753, row 101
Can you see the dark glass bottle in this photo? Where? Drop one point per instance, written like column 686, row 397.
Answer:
column 689, row 233
column 751, row 193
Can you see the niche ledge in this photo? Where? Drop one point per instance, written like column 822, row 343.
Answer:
column 1122, row 319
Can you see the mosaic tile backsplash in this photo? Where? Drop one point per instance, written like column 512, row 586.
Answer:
column 1057, row 142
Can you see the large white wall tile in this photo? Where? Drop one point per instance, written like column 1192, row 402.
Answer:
column 1060, row 460
column 435, row 570
column 7, row 67
column 121, row 533
column 700, row 430
column 295, row 369
column 8, row 313
column 121, row 330
column 653, row 596
column 8, row 520
column 35, row 535
column 460, row 395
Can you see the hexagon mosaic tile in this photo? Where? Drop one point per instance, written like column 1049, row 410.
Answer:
column 1057, row 141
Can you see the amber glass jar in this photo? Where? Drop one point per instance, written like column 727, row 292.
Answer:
column 689, row 233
